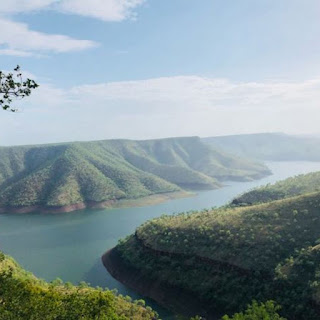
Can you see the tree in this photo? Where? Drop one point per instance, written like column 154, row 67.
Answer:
column 12, row 87
column 256, row 311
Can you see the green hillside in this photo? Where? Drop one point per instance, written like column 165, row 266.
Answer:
column 87, row 173
column 304, row 183
column 269, row 146
column 220, row 260
column 23, row 296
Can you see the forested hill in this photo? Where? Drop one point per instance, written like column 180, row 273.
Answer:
column 68, row 174
column 23, row 296
column 269, row 146
column 304, row 183
column 219, row 260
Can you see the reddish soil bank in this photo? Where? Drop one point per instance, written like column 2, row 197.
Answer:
column 68, row 208
column 121, row 203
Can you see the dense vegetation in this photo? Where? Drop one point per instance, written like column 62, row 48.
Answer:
column 256, row 311
column 23, row 296
column 229, row 256
column 71, row 173
column 269, row 146
column 290, row 187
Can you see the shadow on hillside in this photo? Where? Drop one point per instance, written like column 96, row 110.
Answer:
column 99, row 276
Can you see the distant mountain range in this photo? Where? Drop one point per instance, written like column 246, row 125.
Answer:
column 269, row 146
column 70, row 176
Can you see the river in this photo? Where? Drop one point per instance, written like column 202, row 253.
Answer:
column 69, row 245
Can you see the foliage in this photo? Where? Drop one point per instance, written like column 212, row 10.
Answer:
column 301, row 273
column 71, row 173
column 290, row 187
column 228, row 257
column 256, row 311
column 23, row 296
column 12, row 86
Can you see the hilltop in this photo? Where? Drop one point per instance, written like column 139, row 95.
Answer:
column 70, row 176
column 217, row 261
column 301, row 184
column 269, row 146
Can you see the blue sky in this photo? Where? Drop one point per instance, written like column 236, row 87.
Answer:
column 149, row 69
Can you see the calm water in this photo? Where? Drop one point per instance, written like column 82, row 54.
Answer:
column 69, row 246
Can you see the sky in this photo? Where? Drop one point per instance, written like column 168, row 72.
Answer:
column 142, row 69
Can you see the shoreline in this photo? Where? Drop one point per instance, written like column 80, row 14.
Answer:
column 153, row 199
column 109, row 204
column 167, row 296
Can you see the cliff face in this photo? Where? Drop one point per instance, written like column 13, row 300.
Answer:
column 166, row 295
column 72, row 176
column 172, row 295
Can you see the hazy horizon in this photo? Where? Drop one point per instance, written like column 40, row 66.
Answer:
column 161, row 138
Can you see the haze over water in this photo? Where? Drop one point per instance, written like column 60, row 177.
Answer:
column 69, row 245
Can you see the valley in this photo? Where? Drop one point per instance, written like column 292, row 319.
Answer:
column 159, row 160
column 69, row 246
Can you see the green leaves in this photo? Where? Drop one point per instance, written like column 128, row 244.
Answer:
column 12, row 86
column 256, row 311
column 23, row 296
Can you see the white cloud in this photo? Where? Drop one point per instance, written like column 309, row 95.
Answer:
column 203, row 92
column 19, row 40
column 16, row 6
column 16, row 53
column 107, row 10
column 172, row 106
